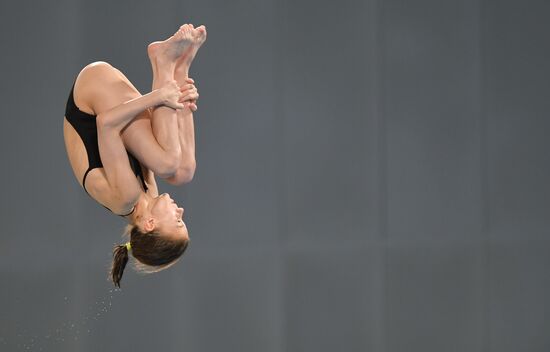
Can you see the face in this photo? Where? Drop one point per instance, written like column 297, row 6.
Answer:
column 168, row 218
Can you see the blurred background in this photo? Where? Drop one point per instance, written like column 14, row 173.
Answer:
column 371, row 176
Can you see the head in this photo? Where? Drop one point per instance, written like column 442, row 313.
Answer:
column 157, row 235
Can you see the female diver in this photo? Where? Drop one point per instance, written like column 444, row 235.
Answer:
column 117, row 140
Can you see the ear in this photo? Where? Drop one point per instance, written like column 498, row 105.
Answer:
column 149, row 224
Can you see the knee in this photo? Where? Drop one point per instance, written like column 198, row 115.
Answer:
column 183, row 175
column 170, row 166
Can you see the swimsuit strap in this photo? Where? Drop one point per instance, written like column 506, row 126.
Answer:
column 134, row 208
column 84, row 186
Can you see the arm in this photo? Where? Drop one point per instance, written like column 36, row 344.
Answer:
column 122, row 189
column 119, row 116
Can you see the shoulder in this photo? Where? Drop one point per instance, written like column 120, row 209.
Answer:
column 95, row 72
column 90, row 82
column 97, row 67
column 101, row 71
column 104, row 86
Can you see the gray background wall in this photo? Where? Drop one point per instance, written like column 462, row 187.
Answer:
column 372, row 176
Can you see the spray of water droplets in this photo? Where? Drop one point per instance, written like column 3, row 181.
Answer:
column 72, row 330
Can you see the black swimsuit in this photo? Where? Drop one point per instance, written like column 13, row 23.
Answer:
column 85, row 126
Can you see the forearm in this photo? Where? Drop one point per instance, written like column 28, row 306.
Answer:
column 119, row 116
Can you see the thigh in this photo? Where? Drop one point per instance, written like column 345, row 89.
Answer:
column 139, row 139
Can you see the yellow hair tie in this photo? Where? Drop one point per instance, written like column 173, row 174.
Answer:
column 128, row 246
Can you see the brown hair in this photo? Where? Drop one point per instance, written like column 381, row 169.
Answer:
column 152, row 253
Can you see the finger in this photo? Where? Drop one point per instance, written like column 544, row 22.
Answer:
column 190, row 90
column 190, row 96
column 186, row 100
column 187, row 87
column 193, row 107
column 189, row 79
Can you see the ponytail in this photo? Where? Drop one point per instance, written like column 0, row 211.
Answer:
column 120, row 258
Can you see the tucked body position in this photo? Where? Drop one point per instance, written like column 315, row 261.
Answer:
column 118, row 141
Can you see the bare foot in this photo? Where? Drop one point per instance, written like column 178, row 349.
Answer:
column 199, row 37
column 171, row 49
column 184, row 61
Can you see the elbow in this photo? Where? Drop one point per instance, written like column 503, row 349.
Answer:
column 105, row 120
column 101, row 120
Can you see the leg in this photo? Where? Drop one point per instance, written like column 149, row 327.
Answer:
column 163, row 123
column 186, row 133
column 186, row 171
column 140, row 129
column 163, row 56
column 164, row 119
